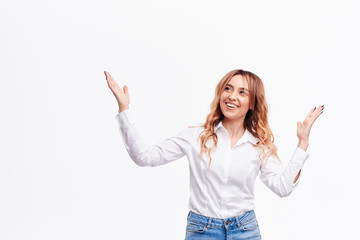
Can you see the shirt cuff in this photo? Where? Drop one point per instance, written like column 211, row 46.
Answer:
column 125, row 118
column 299, row 158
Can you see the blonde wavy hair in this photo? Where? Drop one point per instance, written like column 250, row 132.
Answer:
column 256, row 120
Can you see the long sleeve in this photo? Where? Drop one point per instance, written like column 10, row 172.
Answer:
column 163, row 152
column 281, row 181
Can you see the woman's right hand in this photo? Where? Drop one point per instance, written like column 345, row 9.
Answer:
column 121, row 95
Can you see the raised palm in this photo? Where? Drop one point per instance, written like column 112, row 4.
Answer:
column 121, row 95
column 303, row 128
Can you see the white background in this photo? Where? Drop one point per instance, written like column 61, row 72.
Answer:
column 64, row 172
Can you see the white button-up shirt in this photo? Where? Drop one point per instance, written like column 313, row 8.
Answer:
column 226, row 188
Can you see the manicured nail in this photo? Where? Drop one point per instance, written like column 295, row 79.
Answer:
column 105, row 73
column 321, row 112
column 314, row 108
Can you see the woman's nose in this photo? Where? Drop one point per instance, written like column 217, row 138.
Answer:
column 232, row 96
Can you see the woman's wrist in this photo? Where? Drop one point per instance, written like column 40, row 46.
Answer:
column 303, row 144
column 121, row 109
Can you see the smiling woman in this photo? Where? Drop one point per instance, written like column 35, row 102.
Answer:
column 240, row 108
column 238, row 144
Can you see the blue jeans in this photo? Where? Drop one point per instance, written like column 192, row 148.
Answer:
column 206, row 228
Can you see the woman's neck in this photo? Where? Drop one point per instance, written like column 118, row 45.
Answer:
column 234, row 128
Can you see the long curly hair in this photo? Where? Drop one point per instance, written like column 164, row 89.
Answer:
column 256, row 119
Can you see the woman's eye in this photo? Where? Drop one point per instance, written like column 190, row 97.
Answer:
column 242, row 92
column 227, row 89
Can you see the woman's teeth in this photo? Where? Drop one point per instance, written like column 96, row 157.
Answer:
column 231, row 105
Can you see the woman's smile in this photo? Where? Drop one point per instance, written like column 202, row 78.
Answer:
column 231, row 106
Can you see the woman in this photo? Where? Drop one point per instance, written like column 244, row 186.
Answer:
column 225, row 155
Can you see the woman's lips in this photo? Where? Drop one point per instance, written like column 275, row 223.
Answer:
column 231, row 105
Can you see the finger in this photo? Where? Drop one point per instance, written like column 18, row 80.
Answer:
column 107, row 77
column 319, row 108
column 299, row 124
column 126, row 90
column 319, row 112
column 111, row 82
column 311, row 111
column 316, row 114
column 110, row 79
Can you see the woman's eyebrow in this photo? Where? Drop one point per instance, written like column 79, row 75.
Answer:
column 242, row 88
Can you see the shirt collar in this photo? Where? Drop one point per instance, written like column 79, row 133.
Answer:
column 246, row 137
column 218, row 126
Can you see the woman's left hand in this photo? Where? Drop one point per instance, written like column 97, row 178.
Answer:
column 303, row 128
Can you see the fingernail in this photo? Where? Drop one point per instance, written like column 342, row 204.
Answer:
column 105, row 73
column 314, row 108
column 321, row 112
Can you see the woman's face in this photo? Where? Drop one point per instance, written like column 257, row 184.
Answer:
column 234, row 100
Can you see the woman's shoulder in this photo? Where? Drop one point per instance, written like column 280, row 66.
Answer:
column 195, row 128
column 192, row 130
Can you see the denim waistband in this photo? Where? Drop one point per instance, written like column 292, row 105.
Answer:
column 218, row 222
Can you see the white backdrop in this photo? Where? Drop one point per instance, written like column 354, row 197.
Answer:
column 64, row 172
